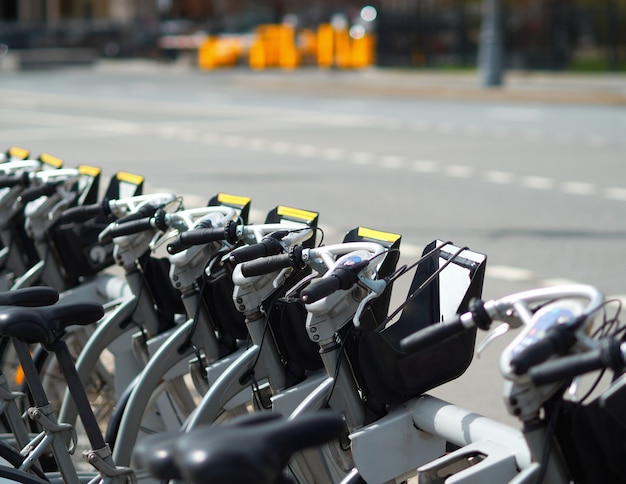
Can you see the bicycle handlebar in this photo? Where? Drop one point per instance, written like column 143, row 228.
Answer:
column 557, row 341
column 83, row 213
column 266, row 265
column 482, row 314
column 609, row 355
column 202, row 236
column 34, row 193
column 145, row 211
column 129, row 228
column 9, row 181
column 343, row 276
column 269, row 245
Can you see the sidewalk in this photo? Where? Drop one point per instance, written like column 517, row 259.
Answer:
column 542, row 87
column 607, row 89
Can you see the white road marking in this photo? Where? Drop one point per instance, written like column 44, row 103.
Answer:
column 578, row 188
column 507, row 273
column 500, row 177
column 392, row 162
column 425, row 166
column 537, row 182
column 333, row 154
column 362, row 157
column 459, row 171
column 615, row 193
column 280, row 147
column 556, row 281
column 307, row 151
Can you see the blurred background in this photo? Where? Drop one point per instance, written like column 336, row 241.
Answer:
column 578, row 35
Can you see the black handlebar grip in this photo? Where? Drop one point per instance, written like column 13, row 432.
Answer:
column 432, row 335
column 196, row 237
column 30, row 297
column 558, row 340
column 566, row 368
column 343, row 276
column 132, row 227
column 143, row 212
column 34, row 193
column 265, row 265
column 8, row 181
column 268, row 246
column 320, row 288
column 609, row 355
column 85, row 212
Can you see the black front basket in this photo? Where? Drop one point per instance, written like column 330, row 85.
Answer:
column 392, row 376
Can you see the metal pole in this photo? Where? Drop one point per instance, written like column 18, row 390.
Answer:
column 490, row 48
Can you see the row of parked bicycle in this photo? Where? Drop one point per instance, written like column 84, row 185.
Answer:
column 232, row 351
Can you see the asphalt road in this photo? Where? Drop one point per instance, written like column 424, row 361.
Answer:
column 538, row 187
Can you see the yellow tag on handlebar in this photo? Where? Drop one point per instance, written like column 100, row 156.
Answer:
column 296, row 213
column 89, row 170
column 50, row 160
column 124, row 176
column 19, row 153
column 377, row 235
column 236, row 200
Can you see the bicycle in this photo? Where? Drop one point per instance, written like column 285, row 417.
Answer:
column 17, row 174
column 226, row 321
column 78, row 268
column 559, row 340
column 46, row 326
column 340, row 387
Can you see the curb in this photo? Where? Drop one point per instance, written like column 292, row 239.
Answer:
column 609, row 90
column 519, row 86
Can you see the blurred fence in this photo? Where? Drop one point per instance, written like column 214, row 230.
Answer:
column 538, row 34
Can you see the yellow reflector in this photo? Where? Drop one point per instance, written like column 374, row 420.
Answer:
column 377, row 235
column 51, row 160
column 129, row 177
column 232, row 199
column 89, row 170
column 16, row 152
column 296, row 213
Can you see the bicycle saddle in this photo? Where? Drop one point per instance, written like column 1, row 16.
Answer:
column 29, row 297
column 156, row 453
column 243, row 453
column 46, row 324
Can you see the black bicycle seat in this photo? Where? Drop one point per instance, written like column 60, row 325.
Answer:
column 256, row 453
column 46, row 324
column 156, row 453
column 29, row 297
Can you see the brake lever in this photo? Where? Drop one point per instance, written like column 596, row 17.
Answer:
column 494, row 334
column 377, row 287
